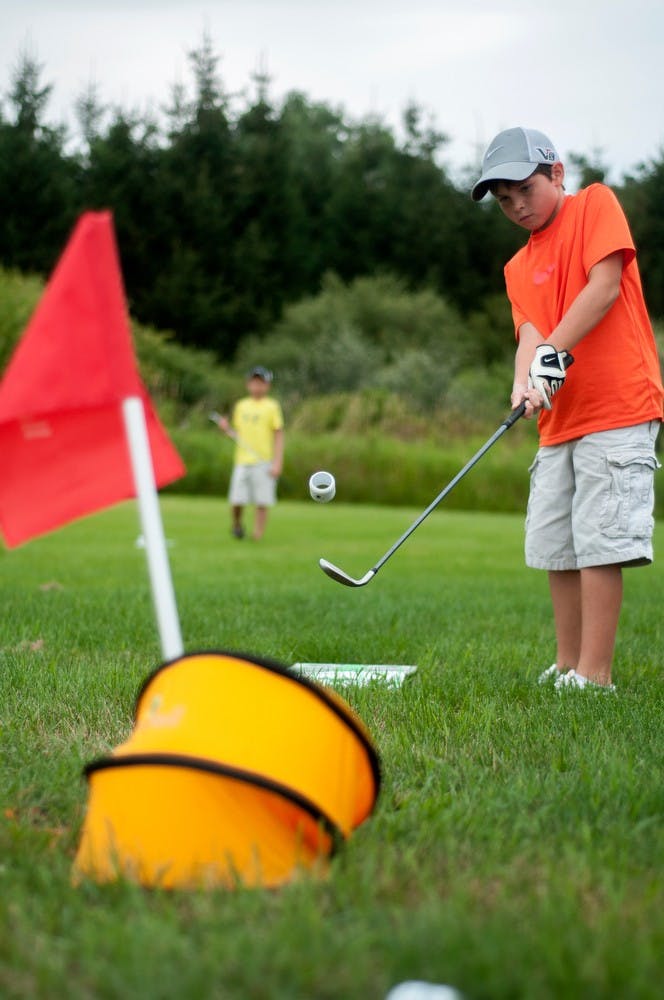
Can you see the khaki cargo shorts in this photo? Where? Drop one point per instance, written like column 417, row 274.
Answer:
column 591, row 500
column 253, row 484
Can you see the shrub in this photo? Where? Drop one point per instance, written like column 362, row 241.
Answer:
column 182, row 377
column 490, row 332
column 333, row 360
column 19, row 295
column 208, row 457
column 372, row 332
column 482, row 392
column 418, row 379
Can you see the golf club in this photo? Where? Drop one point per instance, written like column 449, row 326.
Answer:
column 341, row 577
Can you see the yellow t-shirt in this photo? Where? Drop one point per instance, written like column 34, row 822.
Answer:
column 254, row 422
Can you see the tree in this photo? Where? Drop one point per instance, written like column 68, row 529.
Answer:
column 242, row 204
column 590, row 170
column 90, row 112
column 642, row 196
column 193, row 291
column 123, row 174
column 37, row 180
column 266, row 241
column 27, row 98
column 315, row 134
column 421, row 141
column 210, row 95
column 360, row 208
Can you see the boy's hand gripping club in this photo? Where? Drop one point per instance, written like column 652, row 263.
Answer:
column 547, row 372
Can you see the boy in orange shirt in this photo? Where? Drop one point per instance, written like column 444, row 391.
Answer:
column 575, row 287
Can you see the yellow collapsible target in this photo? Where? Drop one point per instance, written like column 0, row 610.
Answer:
column 237, row 772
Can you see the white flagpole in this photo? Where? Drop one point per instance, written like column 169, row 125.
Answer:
column 159, row 568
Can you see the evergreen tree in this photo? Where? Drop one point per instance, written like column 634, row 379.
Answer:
column 37, row 180
column 590, row 170
column 122, row 174
column 264, row 249
column 360, row 209
column 194, row 292
column 27, row 96
column 89, row 111
column 642, row 196
column 316, row 135
column 241, row 205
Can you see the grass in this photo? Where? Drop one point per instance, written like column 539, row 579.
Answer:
column 517, row 846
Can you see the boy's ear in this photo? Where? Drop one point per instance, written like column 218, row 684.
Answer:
column 557, row 173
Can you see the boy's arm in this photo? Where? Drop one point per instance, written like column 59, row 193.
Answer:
column 591, row 304
column 529, row 339
column 589, row 307
column 228, row 426
column 278, row 460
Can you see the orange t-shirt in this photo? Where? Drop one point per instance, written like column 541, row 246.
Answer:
column 615, row 380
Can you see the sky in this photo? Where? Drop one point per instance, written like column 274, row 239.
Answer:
column 589, row 73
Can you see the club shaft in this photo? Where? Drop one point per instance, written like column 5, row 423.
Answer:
column 341, row 577
column 506, row 424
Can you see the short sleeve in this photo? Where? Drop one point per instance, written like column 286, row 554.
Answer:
column 277, row 416
column 605, row 228
column 518, row 315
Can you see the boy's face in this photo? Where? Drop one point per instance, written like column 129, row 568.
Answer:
column 535, row 202
column 257, row 388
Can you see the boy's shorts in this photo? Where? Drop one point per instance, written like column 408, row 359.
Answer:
column 253, row 484
column 591, row 500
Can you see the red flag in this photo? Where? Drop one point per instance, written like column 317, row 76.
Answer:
column 63, row 452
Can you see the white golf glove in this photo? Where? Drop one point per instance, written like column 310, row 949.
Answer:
column 547, row 372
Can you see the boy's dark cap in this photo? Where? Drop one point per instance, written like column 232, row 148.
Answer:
column 259, row 372
column 512, row 156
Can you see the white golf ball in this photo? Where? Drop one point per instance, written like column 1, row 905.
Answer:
column 416, row 990
column 322, row 487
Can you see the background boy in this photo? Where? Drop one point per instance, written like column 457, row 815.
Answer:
column 257, row 427
column 575, row 287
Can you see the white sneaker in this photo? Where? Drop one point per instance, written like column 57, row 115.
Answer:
column 549, row 674
column 577, row 682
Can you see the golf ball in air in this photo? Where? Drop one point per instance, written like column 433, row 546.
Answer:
column 416, row 990
column 322, row 487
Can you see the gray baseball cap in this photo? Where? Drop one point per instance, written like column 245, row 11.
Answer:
column 258, row 371
column 512, row 156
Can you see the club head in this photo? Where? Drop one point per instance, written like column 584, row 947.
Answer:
column 214, row 417
column 338, row 574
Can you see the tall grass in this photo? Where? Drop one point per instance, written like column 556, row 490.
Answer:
column 371, row 469
column 374, row 469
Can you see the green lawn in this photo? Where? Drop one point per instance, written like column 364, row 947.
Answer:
column 517, row 846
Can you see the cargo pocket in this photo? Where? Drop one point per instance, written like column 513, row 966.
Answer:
column 628, row 507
